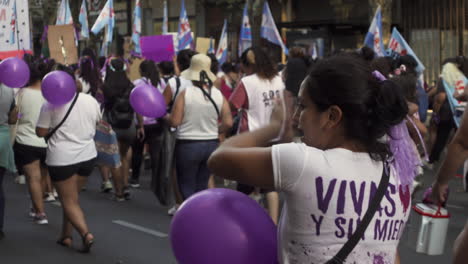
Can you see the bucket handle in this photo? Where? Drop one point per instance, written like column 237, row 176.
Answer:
column 438, row 213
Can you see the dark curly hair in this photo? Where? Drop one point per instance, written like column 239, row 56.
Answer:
column 370, row 107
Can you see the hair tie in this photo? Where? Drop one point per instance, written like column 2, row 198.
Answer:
column 251, row 57
column 379, row 76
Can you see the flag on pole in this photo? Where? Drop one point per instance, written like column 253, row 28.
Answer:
column 137, row 26
column 13, row 25
column 314, row 53
column 184, row 35
column 64, row 15
column 84, row 21
column 211, row 48
column 398, row 45
column 221, row 53
column 374, row 39
column 269, row 31
column 165, row 25
column 105, row 19
column 245, row 38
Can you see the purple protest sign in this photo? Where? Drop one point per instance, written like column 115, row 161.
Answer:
column 157, row 48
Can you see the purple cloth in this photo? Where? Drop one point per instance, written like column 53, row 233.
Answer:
column 157, row 48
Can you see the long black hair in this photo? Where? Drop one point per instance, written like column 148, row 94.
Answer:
column 89, row 73
column 370, row 107
column 149, row 70
column 116, row 82
column 38, row 69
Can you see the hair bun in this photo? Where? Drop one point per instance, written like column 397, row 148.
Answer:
column 388, row 107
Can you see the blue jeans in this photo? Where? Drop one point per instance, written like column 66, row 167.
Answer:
column 191, row 165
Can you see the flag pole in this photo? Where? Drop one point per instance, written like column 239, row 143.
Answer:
column 16, row 27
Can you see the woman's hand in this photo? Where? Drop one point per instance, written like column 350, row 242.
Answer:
column 439, row 192
column 141, row 133
column 412, row 108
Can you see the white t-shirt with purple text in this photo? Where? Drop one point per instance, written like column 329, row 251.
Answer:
column 326, row 194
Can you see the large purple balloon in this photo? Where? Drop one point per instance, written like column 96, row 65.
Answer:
column 148, row 101
column 14, row 72
column 223, row 226
column 58, row 87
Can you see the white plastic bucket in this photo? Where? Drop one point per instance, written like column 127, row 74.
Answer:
column 433, row 222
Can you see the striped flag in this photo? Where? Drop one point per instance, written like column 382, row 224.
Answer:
column 165, row 24
column 398, row 44
column 221, row 53
column 13, row 25
column 245, row 38
column 184, row 35
column 105, row 19
column 83, row 18
column 269, row 31
column 374, row 39
column 137, row 26
column 64, row 15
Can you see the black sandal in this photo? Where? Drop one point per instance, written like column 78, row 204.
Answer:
column 87, row 244
column 61, row 241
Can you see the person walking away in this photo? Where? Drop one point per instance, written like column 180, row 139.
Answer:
column 8, row 116
column 71, row 157
column 196, row 113
column 255, row 96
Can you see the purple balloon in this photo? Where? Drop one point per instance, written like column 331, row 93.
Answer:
column 14, row 72
column 58, row 87
column 223, row 226
column 148, row 101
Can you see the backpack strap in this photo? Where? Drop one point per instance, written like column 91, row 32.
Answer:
column 348, row 247
column 51, row 133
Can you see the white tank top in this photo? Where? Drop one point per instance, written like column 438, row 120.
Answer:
column 261, row 95
column 200, row 120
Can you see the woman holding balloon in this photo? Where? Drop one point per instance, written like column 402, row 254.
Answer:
column 344, row 110
column 30, row 150
column 153, row 129
column 14, row 73
column 68, row 121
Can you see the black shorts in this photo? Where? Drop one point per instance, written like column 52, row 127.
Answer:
column 61, row 173
column 25, row 154
column 248, row 189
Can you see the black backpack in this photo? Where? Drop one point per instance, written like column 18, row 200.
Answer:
column 121, row 115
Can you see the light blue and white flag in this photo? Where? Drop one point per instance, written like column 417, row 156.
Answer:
column 105, row 19
column 13, row 25
column 184, row 35
column 64, row 15
column 245, row 37
column 165, row 25
column 374, row 39
column 83, row 18
column 398, row 45
column 269, row 31
column 222, row 52
column 137, row 26
column 211, row 48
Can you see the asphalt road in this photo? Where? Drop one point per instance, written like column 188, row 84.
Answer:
column 136, row 232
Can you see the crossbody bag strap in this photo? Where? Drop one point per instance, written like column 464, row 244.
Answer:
column 212, row 101
column 171, row 104
column 349, row 246
column 51, row 133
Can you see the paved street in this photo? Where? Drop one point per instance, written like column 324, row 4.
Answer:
column 135, row 232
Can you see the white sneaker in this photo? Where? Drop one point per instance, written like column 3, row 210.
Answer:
column 32, row 213
column 55, row 194
column 49, row 198
column 20, row 179
column 173, row 210
column 41, row 219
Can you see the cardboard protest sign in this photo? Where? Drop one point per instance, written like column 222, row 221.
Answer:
column 62, row 44
column 157, row 48
column 15, row 37
column 203, row 45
